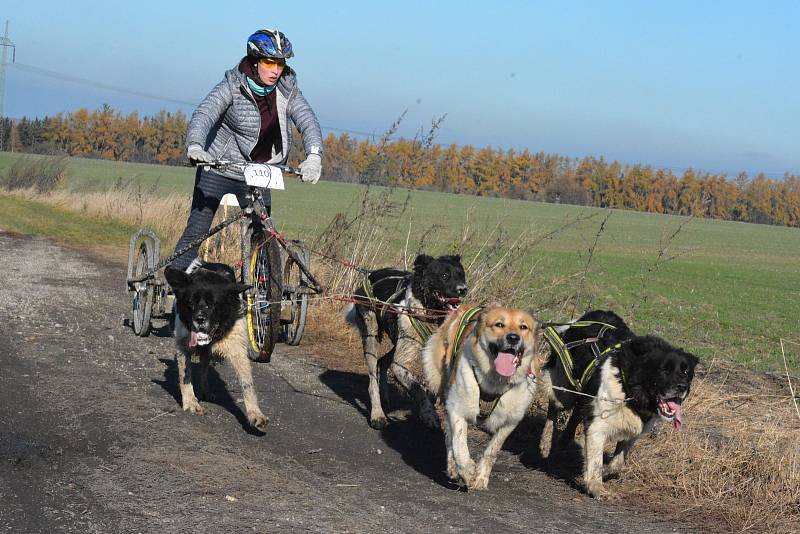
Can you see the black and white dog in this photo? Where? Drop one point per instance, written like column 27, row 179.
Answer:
column 209, row 324
column 641, row 381
column 435, row 287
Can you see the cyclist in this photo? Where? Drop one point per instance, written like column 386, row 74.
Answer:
column 245, row 118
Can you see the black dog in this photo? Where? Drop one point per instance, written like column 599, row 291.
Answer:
column 638, row 381
column 423, row 298
column 209, row 323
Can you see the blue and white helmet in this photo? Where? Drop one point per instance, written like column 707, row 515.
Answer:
column 269, row 44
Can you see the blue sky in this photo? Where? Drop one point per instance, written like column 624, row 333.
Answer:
column 713, row 85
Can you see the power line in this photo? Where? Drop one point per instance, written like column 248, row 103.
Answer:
column 369, row 135
column 99, row 85
column 152, row 96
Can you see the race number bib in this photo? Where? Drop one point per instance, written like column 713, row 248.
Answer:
column 262, row 175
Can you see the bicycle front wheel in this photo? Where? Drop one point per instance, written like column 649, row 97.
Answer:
column 264, row 300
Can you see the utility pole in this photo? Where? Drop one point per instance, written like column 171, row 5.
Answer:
column 6, row 43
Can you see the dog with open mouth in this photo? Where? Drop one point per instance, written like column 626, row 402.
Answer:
column 408, row 306
column 210, row 324
column 637, row 382
column 482, row 353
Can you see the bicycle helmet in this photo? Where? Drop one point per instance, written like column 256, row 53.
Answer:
column 269, row 44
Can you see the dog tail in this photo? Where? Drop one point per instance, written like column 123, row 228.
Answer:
column 351, row 316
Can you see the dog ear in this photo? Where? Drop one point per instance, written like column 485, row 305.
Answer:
column 486, row 308
column 691, row 358
column 455, row 259
column 422, row 261
column 177, row 278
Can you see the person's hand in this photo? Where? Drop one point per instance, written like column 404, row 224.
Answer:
column 311, row 168
column 196, row 154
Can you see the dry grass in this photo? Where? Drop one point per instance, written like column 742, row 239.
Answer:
column 164, row 214
column 736, row 465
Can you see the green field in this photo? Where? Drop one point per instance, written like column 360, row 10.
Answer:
column 723, row 289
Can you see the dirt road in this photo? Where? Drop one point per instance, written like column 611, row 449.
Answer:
column 92, row 438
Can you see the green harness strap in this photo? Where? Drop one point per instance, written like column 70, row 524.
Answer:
column 425, row 330
column 564, row 356
column 463, row 323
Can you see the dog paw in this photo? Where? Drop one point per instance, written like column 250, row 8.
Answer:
column 613, row 468
column 258, row 420
column 432, row 423
column 597, row 490
column 467, row 474
column 429, row 418
column 611, row 471
column 194, row 407
column 479, row 483
column 208, row 396
column 452, row 470
column 378, row 423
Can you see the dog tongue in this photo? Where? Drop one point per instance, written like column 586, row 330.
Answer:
column 506, row 363
column 677, row 423
column 199, row 338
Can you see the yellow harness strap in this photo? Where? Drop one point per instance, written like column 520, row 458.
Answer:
column 425, row 330
column 564, row 356
column 468, row 317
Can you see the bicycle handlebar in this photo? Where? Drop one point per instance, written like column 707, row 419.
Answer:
column 226, row 164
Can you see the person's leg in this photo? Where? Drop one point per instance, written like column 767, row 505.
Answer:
column 208, row 190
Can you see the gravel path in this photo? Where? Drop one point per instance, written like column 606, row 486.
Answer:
column 92, row 438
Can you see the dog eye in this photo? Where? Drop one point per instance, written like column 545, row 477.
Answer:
column 445, row 276
column 498, row 324
column 523, row 326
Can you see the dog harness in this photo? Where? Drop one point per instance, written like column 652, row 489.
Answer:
column 423, row 329
column 467, row 318
column 366, row 285
column 562, row 350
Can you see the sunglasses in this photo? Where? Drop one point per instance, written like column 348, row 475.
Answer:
column 272, row 62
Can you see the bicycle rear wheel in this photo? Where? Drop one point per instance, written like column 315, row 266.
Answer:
column 295, row 297
column 142, row 303
column 264, row 300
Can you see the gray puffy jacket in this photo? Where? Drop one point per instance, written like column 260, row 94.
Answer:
column 227, row 122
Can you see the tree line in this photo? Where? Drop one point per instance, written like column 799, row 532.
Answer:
column 419, row 163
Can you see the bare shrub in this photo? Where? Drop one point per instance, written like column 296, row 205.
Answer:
column 42, row 174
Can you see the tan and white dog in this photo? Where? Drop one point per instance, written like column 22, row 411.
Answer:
column 481, row 352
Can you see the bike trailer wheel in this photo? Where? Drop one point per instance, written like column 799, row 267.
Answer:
column 295, row 296
column 144, row 292
column 264, row 301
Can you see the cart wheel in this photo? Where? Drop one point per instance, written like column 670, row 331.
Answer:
column 295, row 297
column 264, row 300
column 144, row 292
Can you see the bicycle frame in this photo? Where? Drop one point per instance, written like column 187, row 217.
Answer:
column 259, row 217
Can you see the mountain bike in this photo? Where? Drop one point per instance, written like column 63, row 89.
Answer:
column 275, row 269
